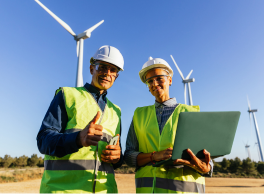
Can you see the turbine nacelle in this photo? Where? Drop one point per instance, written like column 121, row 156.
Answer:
column 188, row 80
column 83, row 35
column 253, row 110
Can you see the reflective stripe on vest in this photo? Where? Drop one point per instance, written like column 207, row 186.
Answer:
column 158, row 179
column 78, row 172
column 174, row 185
column 77, row 165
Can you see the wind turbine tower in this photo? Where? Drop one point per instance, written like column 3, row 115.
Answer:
column 185, row 81
column 79, row 41
column 252, row 111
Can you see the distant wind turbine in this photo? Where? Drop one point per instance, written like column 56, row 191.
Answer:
column 79, row 40
column 185, row 81
column 252, row 111
column 247, row 150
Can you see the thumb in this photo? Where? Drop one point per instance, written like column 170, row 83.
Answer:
column 207, row 156
column 96, row 118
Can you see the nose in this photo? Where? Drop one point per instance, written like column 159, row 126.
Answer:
column 155, row 82
column 107, row 72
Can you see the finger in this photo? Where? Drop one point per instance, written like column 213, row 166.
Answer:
column 191, row 154
column 97, row 132
column 112, row 157
column 181, row 161
column 91, row 142
column 168, row 152
column 96, row 127
column 113, row 147
column 94, row 137
column 207, row 156
column 110, row 152
column 96, row 118
column 169, row 149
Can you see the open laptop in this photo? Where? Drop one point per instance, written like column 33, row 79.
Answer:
column 213, row 131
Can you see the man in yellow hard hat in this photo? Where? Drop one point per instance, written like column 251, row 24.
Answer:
column 150, row 139
column 77, row 128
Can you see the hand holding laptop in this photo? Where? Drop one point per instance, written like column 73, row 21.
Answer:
column 200, row 165
column 162, row 155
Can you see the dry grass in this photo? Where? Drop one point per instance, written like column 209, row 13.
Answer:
column 126, row 184
column 19, row 175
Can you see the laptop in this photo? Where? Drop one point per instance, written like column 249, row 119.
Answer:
column 213, row 131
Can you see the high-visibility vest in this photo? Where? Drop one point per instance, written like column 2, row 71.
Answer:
column 151, row 179
column 83, row 171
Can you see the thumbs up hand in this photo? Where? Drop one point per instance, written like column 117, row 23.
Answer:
column 91, row 134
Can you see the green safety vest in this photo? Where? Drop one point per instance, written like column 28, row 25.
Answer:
column 83, row 171
column 151, row 179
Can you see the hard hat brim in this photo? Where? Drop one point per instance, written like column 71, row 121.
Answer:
column 142, row 72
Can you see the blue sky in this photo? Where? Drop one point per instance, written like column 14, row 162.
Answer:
column 222, row 41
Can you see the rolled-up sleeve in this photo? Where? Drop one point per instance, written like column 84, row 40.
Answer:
column 132, row 147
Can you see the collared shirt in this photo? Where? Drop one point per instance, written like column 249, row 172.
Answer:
column 163, row 112
column 52, row 140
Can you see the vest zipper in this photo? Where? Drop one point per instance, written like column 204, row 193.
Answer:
column 96, row 152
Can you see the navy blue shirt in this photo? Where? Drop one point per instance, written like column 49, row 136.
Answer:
column 52, row 140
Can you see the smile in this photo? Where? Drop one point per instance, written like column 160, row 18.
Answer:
column 104, row 79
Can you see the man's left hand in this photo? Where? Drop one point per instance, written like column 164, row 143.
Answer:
column 200, row 165
column 112, row 153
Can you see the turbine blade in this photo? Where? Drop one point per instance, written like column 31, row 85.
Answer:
column 177, row 67
column 64, row 25
column 189, row 74
column 93, row 27
column 248, row 104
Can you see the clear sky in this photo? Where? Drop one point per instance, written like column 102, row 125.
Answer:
column 221, row 40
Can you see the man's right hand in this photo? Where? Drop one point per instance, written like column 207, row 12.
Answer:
column 91, row 134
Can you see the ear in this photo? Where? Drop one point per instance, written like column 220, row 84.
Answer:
column 91, row 69
column 170, row 80
column 116, row 76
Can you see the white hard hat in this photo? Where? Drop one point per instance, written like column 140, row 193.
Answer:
column 154, row 63
column 109, row 54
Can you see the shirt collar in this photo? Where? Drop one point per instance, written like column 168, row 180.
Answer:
column 94, row 91
column 170, row 102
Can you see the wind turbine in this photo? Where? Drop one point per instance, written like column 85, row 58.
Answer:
column 247, row 150
column 252, row 111
column 185, row 81
column 79, row 40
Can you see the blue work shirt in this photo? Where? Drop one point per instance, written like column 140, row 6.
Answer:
column 52, row 140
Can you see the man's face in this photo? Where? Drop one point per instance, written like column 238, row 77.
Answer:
column 158, row 84
column 103, row 75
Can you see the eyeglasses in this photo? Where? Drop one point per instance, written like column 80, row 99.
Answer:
column 158, row 78
column 102, row 68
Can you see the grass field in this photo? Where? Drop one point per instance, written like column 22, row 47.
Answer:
column 126, row 184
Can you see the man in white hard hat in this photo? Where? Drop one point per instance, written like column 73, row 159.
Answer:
column 77, row 128
column 150, row 139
